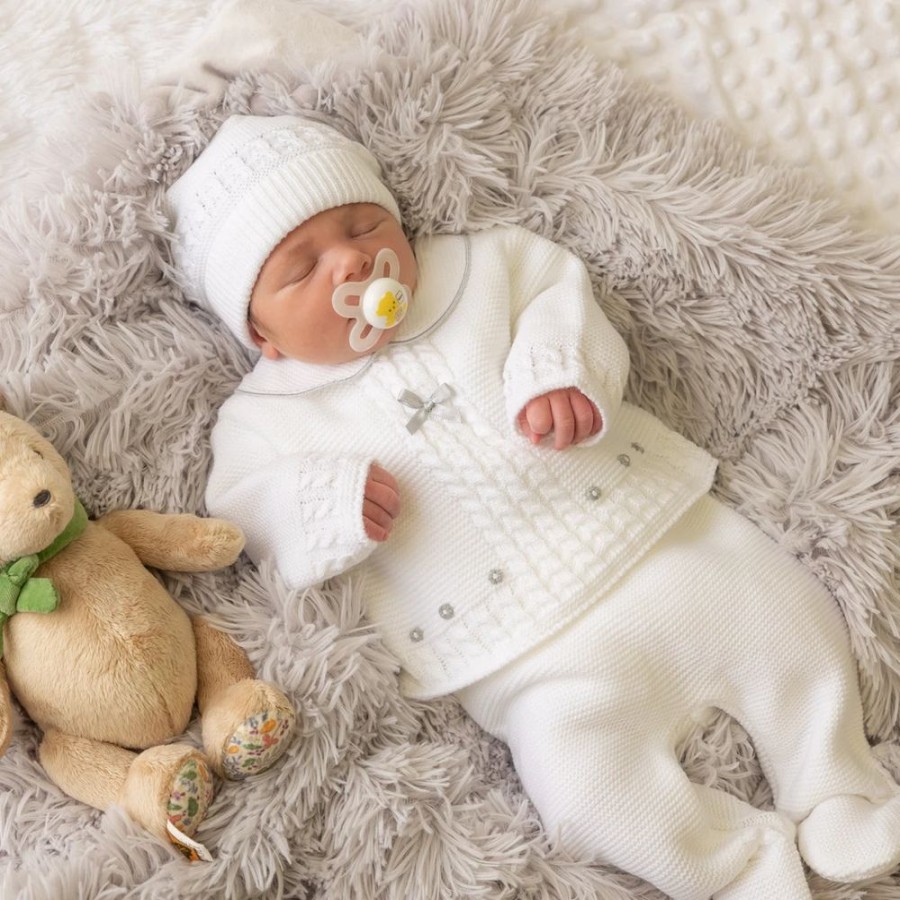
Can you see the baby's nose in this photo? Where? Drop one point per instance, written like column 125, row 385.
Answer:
column 352, row 265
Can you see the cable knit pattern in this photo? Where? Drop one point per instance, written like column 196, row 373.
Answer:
column 316, row 502
column 500, row 543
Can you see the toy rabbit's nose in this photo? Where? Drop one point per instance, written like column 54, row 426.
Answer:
column 42, row 499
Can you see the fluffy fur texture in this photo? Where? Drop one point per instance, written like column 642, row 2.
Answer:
column 761, row 322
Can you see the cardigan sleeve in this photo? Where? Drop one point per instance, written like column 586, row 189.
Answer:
column 302, row 512
column 560, row 335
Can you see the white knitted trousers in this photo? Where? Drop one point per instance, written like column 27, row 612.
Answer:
column 716, row 615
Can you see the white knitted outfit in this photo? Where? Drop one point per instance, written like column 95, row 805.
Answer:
column 714, row 615
column 505, row 551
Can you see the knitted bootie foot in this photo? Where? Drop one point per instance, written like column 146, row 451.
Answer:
column 257, row 743
column 849, row 838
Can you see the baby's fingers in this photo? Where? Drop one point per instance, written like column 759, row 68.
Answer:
column 563, row 419
column 539, row 417
column 377, row 521
column 381, row 488
column 381, row 504
column 585, row 416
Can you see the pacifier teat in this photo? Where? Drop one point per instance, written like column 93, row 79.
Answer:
column 381, row 301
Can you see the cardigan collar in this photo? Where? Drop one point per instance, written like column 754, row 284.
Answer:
column 443, row 262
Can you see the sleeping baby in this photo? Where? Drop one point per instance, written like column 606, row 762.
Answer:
column 447, row 420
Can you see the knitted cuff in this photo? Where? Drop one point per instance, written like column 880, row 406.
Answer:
column 329, row 501
column 542, row 369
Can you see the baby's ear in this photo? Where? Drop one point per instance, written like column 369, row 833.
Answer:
column 266, row 348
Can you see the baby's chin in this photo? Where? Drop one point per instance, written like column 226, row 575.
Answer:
column 384, row 339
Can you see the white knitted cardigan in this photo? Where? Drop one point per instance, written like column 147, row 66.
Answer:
column 499, row 543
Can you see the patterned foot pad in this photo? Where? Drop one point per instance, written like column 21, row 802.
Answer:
column 191, row 795
column 257, row 743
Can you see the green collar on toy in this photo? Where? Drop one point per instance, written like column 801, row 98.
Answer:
column 19, row 592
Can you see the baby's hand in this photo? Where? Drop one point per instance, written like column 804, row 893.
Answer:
column 566, row 412
column 381, row 503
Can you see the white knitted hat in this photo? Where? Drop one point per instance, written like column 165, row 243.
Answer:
column 257, row 180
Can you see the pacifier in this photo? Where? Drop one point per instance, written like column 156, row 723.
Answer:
column 382, row 301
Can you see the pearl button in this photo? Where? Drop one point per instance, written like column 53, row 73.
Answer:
column 624, row 459
column 594, row 493
column 416, row 635
column 495, row 576
column 446, row 611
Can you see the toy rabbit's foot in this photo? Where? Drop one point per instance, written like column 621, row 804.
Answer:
column 167, row 787
column 257, row 743
column 246, row 728
column 192, row 792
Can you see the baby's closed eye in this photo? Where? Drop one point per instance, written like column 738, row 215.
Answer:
column 367, row 228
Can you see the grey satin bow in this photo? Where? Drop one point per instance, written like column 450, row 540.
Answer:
column 424, row 408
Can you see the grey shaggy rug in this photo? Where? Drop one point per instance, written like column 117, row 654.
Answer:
column 761, row 322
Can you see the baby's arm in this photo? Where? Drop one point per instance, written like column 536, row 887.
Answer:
column 314, row 516
column 566, row 362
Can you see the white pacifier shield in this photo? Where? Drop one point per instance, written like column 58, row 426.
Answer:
column 382, row 301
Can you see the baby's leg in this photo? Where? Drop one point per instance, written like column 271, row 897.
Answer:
column 620, row 799
column 825, row 777
column 807, row 727
column 612, row 791
column 803, row 711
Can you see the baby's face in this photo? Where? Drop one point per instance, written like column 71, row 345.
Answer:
column 291, row 314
